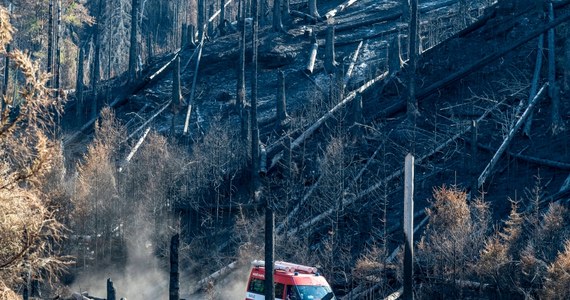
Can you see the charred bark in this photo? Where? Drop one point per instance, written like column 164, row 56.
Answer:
column 174, row 285
column 253, row 108
column 133, row 42
column 313, row 10
column 534, row 84
column 277, row 23
column 96, row 69
column 79, row 84
column 58, row 53
column 553, row 88
column 281, row 98
column 330, row 61
column 50, row 42
column 412, row 103
column 269, row 251
column 111, row 293
column 176, row 103
column 240, row 90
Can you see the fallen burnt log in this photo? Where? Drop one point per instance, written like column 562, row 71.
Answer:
column 400, row 105
column 127, row 91
column 392, row 15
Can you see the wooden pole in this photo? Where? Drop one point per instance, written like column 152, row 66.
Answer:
column 174, row 287
column 409, row 228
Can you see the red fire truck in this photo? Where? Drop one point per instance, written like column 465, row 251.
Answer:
column 292, row 282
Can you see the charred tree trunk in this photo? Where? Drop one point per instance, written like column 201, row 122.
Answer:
column 567, row 67
column 79, row 84
column 269, row 251
column 474, row 159
column 192, row 35
column 394, row 60
column 174, row 287
column 222, row 24
column 313, row 11
column 356, row 116
column 261, row 15
column 5, row 83
column 50, row 41
column 330, row 61
column 201, row 18
column 408, row 293
column 96, row 71
column 277, row 23
column 412, row 103
column 211, row 12
column 133, row 45
column 286, row 11
column 253, row 114
column 406, row 10
column 534, row 84
column 240, row 91
column 463, row 12
column 176, row 94
column 281, row 99
column 111, row 294
column 58, row 52
column 553, row 88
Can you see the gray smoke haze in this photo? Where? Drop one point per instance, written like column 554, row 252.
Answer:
column 146, row 277
column 143, row 277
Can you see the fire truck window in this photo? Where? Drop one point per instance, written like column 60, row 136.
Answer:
column 256, row 286
column 279, row 288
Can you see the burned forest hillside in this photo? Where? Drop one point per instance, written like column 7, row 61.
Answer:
column 178, row 141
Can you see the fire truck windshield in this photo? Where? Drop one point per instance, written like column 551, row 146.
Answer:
column 309, row 292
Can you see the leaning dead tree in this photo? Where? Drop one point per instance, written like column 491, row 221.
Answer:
column 489, row 168
column 350, row 200
column 309, row 132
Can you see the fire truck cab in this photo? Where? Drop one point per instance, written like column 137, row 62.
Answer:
column 292, row 282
